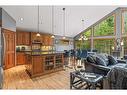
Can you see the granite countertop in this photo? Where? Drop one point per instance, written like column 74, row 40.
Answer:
column 24, row 51
column 43, row 53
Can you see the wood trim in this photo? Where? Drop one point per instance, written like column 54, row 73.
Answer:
column 106, row 39
column 122, row 22
column 114, row 26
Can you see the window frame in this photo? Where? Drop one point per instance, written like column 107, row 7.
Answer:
column 122, row 22
column 114, row 33
column 104, row 39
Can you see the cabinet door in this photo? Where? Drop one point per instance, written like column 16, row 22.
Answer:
column 20, row 58
column 28, row 63
column 50, row 41
column 46, row 40
column 19, row 38
column 42, row 40
column 35, row 38
column 25, row 38
column 10, row 48
column 37, row 64
column 22, row 38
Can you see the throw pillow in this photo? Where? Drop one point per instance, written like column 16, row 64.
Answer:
column 100, row 61
column 112, row 60
column 104, row 57
column 90, row 59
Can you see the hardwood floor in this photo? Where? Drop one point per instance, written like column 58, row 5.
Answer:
column 17, row 78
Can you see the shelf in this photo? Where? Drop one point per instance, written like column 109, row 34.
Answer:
column 36, row 43
column 49, row 60
column 49, row 65
column 58, row 58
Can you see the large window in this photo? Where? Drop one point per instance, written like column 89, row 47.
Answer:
column 101, row 42
column 104, row 45
column 87, row 33
column 77, row 44
column 124, row 22
column 106, row 27
column 84, row 43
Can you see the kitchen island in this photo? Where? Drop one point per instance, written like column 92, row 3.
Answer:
column 41, row 63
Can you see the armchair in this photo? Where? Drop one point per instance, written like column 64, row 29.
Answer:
column 99, row 66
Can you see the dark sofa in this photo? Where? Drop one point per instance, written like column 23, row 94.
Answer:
column 102, row 63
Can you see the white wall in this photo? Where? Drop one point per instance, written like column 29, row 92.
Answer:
column 73, row 20
column 63, row 47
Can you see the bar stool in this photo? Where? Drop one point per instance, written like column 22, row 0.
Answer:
column 80, row 57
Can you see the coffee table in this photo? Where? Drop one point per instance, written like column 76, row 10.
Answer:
column 85, row 80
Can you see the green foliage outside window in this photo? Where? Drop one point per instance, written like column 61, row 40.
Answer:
column 86, row 44
column 124, row 22
column 105, row 28
column 87, row 33
column 77, row 44
column 83, row 44
column 104, row 45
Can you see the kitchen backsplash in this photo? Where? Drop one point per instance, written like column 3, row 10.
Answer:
column 23, row 48
column 28, row 48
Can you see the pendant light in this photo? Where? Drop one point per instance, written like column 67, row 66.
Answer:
column 83, row 36
column 64, row 23
column 38, row 34
column 52, row 22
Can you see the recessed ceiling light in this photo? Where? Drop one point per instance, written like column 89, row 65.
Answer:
column 21, row 19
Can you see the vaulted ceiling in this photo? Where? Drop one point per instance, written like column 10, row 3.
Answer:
column 27, row 18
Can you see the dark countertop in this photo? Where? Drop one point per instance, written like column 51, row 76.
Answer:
column 24, row 51
column 43, row 53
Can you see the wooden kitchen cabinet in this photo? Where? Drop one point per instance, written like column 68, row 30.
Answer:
column 20, row 57
column 35, row 38
column 42, row 64
column 38, row 67
column 26, row 38
column 9, row 60
column 22, row 38
column 50, row 41
column 47, row 40
column 19, row 38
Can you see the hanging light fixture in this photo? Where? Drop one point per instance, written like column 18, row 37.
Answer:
column 122, row 43
column 64, row 23
column 83, row 37
column 38, row 34
column 52, row 23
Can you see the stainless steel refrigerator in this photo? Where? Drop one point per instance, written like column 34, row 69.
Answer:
column 6, row 22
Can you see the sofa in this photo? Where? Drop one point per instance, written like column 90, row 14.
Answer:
column 102, row 63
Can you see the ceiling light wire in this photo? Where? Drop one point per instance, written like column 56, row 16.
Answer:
column 52, row 22
column 38, row 34
column 64, row 23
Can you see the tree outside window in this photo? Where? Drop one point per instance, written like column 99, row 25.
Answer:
column 124, row 23
column 105, row 28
